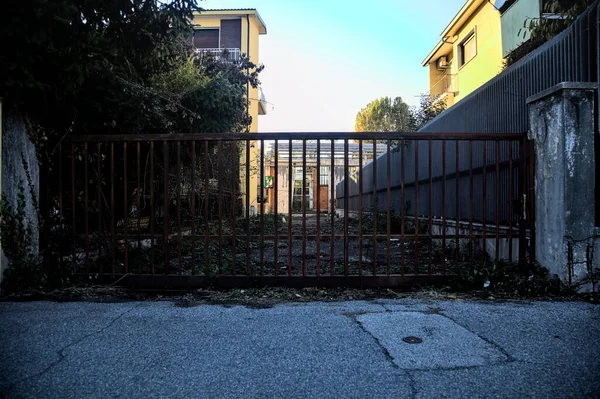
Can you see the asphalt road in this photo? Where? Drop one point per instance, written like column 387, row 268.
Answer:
column 314, row 350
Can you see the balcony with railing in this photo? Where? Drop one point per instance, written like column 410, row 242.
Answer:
column 225, row 54
column 445, row 88
column 262, row 103
column 447, row 84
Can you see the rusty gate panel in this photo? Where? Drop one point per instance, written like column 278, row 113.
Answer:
column 345, row 209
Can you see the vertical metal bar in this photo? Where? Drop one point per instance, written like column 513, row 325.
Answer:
column 416, row 271
column 457, row 206
column 522, row 199
column 137, row 202
column 152, row 210
column 576, row 55
column 318, row 185
column 430, row 208
column 332, row 201
column 589, row 49
column 346, row 207
column 206, row 189
column 276, row 200
column 125, row 208
column 389, row 205
column 235, row 170
column 471, row 204
column 276, row 210
column 374, row 208
column 262, row 207
column 444, row 207
column 60, row 184
column 510, row 202
column 193, row 208
column 166, row 205
column 220, row 201
column 73, row 215
column 531, row 196
column 304, row 207
column 402, row 203
column 179, row 206
column 247, row 207
column 112, row 205
column 99, row 185
column 86, row 210
column 497, row 201
column 290, row 204
column 360, row 207
column 484, row 221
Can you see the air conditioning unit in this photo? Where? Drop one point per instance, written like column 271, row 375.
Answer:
column 442, row 63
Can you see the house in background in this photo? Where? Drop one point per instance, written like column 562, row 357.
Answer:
column 238, row 32
column 515, row 16
column 229, row 33
column 468, row 54
column 313, row 182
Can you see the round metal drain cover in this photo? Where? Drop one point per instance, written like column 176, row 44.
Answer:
column 412, row 340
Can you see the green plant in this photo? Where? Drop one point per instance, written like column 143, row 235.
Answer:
column 538, row 31
column 24, row 271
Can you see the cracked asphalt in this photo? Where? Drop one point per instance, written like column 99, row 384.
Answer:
column 469, row 349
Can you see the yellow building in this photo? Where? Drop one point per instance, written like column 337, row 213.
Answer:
column 468, row 54
column 237, row 31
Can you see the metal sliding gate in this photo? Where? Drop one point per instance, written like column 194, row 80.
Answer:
column 294, row 209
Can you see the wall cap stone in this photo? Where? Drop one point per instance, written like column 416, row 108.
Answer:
column 562, row 86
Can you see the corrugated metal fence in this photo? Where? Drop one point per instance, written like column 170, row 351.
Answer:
column 498, row 106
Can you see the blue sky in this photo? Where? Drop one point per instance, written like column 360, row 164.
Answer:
column 325, row 60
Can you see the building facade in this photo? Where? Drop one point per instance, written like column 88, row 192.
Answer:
column 307, row 182
column 468, row 54
column 517, row 15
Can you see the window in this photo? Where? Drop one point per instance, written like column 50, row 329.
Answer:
column 467, row 49
column 324, row 176
column 206, row 38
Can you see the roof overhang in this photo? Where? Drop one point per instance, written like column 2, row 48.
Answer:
column 444, row 46
column 241, row 12
column 440, row 49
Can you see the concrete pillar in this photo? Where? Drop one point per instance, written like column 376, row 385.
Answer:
column 561, row 121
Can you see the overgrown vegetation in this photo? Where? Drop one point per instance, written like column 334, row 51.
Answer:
column 77, row 67
column 16, row 232
column 116, row 66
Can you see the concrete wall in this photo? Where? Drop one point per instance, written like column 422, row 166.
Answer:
column 512, row 21
column 17, row 149
column 562, row 125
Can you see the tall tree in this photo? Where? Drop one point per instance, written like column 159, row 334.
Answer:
column 384, row 115
column 115, row 66
column 427, row 109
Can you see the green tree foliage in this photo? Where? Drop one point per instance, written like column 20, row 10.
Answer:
column 543, row 29
column 428, row 109
column 384, row 115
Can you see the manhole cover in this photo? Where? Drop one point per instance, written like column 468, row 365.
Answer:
column 412, row 340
